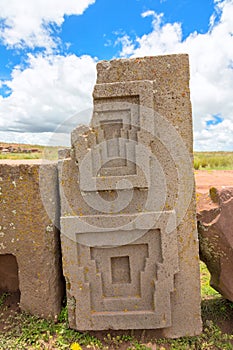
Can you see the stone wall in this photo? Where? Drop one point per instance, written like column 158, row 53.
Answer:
column 29, row 242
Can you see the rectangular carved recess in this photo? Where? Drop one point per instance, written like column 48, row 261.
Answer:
column 118, row 120
column 120, row 269
column 112, row 133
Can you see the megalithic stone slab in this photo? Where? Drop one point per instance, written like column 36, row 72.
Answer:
column 30, row 258
column 215, row 224
column 128, row 228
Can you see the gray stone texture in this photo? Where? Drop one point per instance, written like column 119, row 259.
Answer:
column 128, row 227
column 29, row 242
column 215, row 222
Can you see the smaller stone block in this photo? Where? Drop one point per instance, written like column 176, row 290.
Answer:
column 215, row 223
column 29, row 242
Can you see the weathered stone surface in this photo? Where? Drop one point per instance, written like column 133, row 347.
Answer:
column 215, row 227
column 128, row 228
column 29, row 243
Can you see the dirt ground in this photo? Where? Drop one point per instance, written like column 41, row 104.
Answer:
column 205, row 179
column 9, row 309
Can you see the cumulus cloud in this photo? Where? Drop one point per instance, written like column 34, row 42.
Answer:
column 28, row 23
column 211, row 63
column 163, row 38
column 51, row 89
column 33, row 138
column 216, row 137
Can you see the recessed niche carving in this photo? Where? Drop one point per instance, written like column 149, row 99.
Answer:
column 130, row 256
column 120, row 269
column 9, row 279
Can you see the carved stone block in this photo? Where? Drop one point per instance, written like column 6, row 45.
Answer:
column 128, row 231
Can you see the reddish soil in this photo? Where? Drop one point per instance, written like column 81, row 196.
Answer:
column 205, row 179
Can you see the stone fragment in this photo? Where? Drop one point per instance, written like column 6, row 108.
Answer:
column 215, row 228
column 29, row 242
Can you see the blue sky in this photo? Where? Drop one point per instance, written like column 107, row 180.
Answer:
column 49, row 49
column 105, row 21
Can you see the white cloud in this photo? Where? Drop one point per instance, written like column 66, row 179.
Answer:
column 162, row 39
column 151, row 13
column 29, row 138
column 216, row 137
column 211, row 64
column 51, row 89
column 127, row 45
column 28, row 22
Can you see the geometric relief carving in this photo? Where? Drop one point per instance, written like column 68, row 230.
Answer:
column 120, row 269
column 113, row 150
column 125, row 275
column 114, row 136
column 121, row 251
column 116, row 121
column 128, row 281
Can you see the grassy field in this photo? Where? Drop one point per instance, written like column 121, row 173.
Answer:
column 213, row 160
column 23, row 331
column 202, row 160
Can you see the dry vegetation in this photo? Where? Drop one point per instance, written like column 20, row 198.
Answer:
column 213, row 160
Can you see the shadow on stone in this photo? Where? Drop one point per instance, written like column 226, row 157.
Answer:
column 9, row 278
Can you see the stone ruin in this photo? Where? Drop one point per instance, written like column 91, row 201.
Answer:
column 126, row 209
column 215, row 222
column 29, row 240
column 127, row 196
column 4, row 149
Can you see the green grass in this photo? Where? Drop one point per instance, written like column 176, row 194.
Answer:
column 29, row 332
column 206, row 290
column 20, row 156
column 211, row 339
column 3, row 298
column 213, row 160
